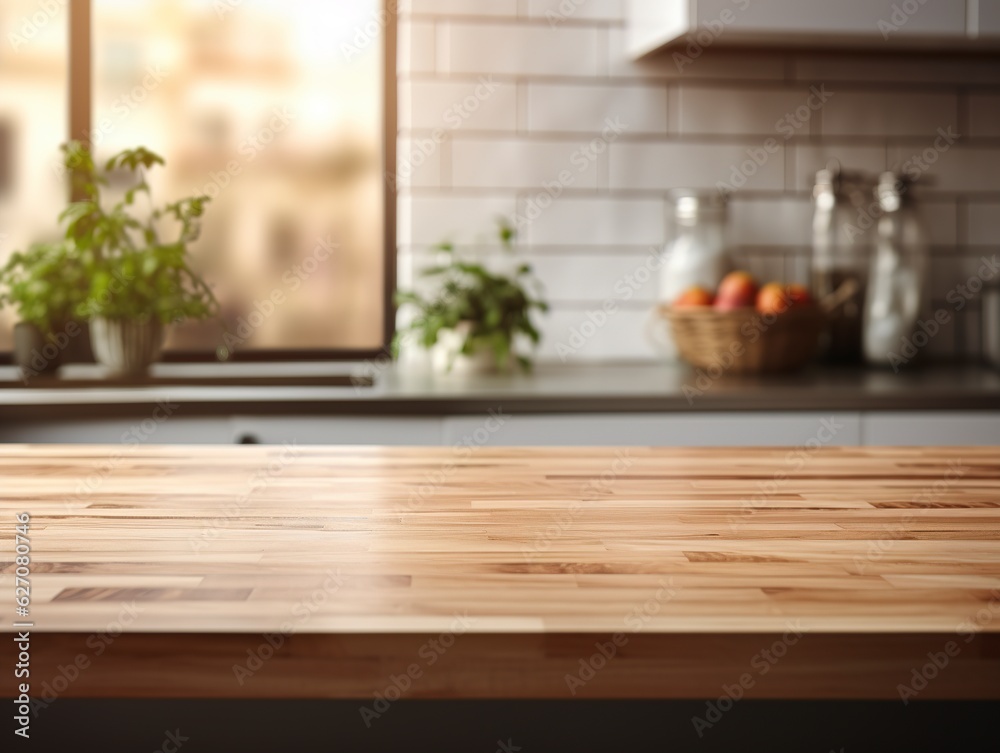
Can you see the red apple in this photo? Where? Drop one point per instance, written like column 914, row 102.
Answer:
column 799, row 295
column 736, row 291
column 772, row 299
column 693, row 298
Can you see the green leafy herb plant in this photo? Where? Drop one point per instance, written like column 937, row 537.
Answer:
column 488, row 311
column 133, row 273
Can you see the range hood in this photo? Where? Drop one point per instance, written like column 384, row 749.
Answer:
column 687, row 27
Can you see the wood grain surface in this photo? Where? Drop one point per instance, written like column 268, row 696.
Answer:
column 525, row 559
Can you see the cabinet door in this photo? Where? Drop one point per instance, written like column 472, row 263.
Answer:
column 856, row 17
column 155, row 428
column 669, row 430
column 989, row 18
column 931, row 428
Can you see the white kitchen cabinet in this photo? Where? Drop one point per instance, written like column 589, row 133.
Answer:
column 120, row 431
column 307, row 430
column 746, row 429
column 652, row 24
column 931, row 428
column 695, row 429
column 989, row 18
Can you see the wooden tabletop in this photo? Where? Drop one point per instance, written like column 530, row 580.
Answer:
column 697, row 557
column 233, row 539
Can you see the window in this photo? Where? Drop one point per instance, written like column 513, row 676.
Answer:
column 270, row 107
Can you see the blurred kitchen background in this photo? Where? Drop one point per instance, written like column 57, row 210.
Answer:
column 588, row 126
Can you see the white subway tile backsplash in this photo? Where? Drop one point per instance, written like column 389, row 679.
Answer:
column 806, row 159
column 590, row 334
column 888, row 113
column 557, row 12
column 534, row 49
column 659, row 167
column 587, row 108
column 957, row 169
column 598, row 221
column 598, row 277
column 781, row 113
column 781, row 221
column 428, row 220
column 554, row 166
column 690, row 119
column 416, row 47
column 417, row 163
column 500, row 8
column 478, row 104
column 984, row 114
column 984, row 223
column 940, row 218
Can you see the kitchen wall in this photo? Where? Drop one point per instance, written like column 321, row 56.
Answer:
column 530, row 109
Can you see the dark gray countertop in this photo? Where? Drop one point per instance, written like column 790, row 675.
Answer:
column 550, row 389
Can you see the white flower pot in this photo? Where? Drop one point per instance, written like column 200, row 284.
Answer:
column 446, row 357
column 126, row 347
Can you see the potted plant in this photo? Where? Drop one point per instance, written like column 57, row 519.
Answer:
column 473, row 321
column 138, row 282
column 45, row 284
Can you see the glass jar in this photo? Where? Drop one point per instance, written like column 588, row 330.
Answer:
column 843, row 238
column 898, row 278
column 696, row 253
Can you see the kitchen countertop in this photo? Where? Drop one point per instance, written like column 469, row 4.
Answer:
column 522, row 558
column 622, row 387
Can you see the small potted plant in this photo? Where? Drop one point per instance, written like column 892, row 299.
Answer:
column 45, row 284
column 138, row 283
column 473, row 321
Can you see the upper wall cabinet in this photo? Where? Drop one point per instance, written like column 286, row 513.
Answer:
column 989, row 19
column 895, row 24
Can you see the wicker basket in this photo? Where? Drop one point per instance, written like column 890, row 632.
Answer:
column 745, row 341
